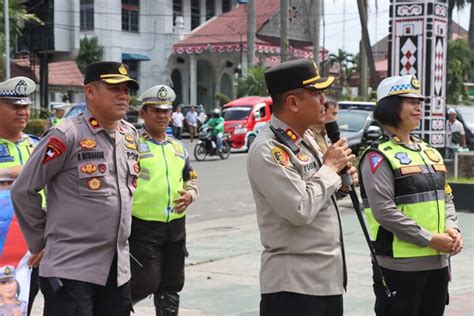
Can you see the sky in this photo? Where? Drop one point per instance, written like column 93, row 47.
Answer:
column 345, row 32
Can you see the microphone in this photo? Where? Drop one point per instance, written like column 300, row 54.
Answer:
column 332, row 130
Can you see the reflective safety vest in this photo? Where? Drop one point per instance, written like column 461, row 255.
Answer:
column 419, row 194
column 56, row 120
column 15, row 154
column 161, row 177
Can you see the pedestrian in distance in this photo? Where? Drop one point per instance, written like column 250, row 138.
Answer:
column 166, row 187
column 192, row 121
column 331, row 108
column 409, row 206
column 303, row 270
column 455, row 134
column 89, row 165
column 16, row 147
column 178, row 121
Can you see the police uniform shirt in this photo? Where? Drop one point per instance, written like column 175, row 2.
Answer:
column 297, row 216
column 379, row 182
column 90, row 179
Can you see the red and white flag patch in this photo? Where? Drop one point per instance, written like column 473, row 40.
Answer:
column 54, row 149
column 375, row 159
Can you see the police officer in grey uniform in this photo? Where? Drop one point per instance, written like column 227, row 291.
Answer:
column 89, row 165
column 303, row 268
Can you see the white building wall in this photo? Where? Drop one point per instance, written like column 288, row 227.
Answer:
column 155, row 38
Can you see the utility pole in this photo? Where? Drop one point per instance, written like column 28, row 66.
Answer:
column 366, row 41
column 284, row 8
column 316, row 11
column 251, row 29
column 6, row 10
column 363, row 66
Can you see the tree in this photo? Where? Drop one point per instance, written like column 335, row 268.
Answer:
column 459, row 4
column 18, row 16
column 253, row 83
column 460, row 66
column 345, row 61
column 89, row 52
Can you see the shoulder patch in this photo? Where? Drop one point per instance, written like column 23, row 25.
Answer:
column 403, row 158
column 280, row 156
column 54, row 149
column 375, row 159
column 432, row 155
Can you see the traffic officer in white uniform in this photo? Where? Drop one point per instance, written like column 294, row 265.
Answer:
column 166, row 187
column 89, row 165
column 303, row 269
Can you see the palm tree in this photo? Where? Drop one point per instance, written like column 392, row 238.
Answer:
column 89, row 52
column 345, row 61
column 253, row 83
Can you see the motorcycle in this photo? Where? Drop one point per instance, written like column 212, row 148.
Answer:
column 206, row 146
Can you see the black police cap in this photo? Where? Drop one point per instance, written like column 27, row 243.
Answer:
column 110, row 72
column 294, row 74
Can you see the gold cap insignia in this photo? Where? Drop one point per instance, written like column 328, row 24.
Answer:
column 7, row 271
column 415, row 83
column 162, row 93
column 123, row 70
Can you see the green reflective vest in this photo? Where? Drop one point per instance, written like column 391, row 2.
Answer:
column 56, row 120
column 15, row 154
column 419, row 194
column 161, row 177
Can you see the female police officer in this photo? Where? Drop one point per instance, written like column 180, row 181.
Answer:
column 409, row 206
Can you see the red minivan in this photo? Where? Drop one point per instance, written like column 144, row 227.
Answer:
column 244, row 117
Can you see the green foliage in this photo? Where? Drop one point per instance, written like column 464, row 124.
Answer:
column 35, row 126
column 89, row 52
column 253, row 83
column 461, row 180
column 222, row 98
column 347, row 65
column 18, row 16
column 460, row 66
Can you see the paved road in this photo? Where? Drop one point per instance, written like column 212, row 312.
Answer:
column 224, row 246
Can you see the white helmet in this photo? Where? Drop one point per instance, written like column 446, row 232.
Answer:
column 216, row 111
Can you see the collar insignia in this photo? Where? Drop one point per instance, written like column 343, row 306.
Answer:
column 403, row 158
column 93, row 122
column 292, row 134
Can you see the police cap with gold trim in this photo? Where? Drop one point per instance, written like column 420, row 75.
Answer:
column 109, row 72
column 16, row 90
column 294, row 74
column 160, row 97
column 404, row 86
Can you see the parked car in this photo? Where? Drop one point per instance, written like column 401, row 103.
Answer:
column 244, row 117
column 356, row 123
column 76, row 109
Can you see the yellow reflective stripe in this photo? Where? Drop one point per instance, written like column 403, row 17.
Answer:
column 395, row 92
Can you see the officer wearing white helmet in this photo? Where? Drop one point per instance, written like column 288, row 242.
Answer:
column 167, row 185
column 409, row 206
column 216, row 127
column 58, row 117
column 15, row 146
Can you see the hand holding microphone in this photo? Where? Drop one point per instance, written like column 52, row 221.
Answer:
column 339, row 153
